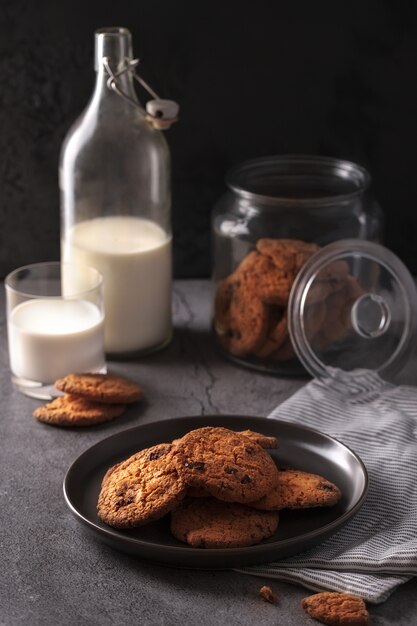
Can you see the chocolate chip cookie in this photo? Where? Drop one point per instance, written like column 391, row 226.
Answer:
column 247, row 322
column 287, row 255
column 262, row 277
column 210, row 523
column 71, row 410
column 143, row 488
column 265, row 441
column 106, row 388
column 276, row 336
column 228, row 465
column 299, row 490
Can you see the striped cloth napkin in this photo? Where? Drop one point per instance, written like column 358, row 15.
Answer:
column 377, row 550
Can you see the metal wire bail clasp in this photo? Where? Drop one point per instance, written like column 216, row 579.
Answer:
column 159, row 112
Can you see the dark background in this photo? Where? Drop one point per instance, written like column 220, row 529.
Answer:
column 252, row 78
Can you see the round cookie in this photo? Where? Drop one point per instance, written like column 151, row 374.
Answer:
column 279, row 252
column 334, row 272
column 247, row 321
column 265, row 441
column 222, row 300
column 106, row 388
column 314, row 318
column 271, row 284
column 285, row 352
column 275, row 338
column 299, row 490
column 228, row 465
column 209, row 523
column 337, row 323
column 288, row 255
column 247, row 264
column 144, row 487
column 71, row 410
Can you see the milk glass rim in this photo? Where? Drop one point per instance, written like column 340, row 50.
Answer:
column 33, row 296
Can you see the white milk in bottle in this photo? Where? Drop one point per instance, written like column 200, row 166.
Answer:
column 134, row 256
column 116, row 201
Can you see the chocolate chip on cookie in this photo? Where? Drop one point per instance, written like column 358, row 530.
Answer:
column 106, row 388
column 71, row 410
column 230, row 466
column 299, row 490
column 209, row 523
column 143, row 488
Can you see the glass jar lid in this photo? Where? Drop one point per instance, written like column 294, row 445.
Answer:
column 353, row 305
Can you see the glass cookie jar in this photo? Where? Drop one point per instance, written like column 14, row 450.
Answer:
column 277, row 214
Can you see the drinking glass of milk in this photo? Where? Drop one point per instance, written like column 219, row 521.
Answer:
column 115, row 200
column 55, row 324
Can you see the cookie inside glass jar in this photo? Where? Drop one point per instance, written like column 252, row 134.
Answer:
column 251, row 304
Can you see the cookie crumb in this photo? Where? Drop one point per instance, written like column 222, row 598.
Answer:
column 336, row 609
column 268, row 595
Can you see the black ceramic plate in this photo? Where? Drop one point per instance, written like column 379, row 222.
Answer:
column 300, row 447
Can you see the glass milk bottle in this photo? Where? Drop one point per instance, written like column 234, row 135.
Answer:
column 115, row 202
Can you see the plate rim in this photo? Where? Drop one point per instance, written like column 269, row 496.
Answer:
column 115, row 534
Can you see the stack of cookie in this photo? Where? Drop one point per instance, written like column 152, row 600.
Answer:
column 88, row 399
column 222, row 488
column 250, row 311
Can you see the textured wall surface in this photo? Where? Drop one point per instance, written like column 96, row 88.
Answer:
column 251, row 78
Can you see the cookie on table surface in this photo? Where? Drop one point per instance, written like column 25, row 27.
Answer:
column 144, row 487
column 210, row 523
column 106, row 388
column 71, row 410
column 336, row 609
column 299, row 490
column 228, row 465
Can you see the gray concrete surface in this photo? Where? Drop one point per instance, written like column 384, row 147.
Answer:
column 55, row 574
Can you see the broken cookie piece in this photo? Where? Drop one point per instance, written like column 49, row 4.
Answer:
column 336, row 609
